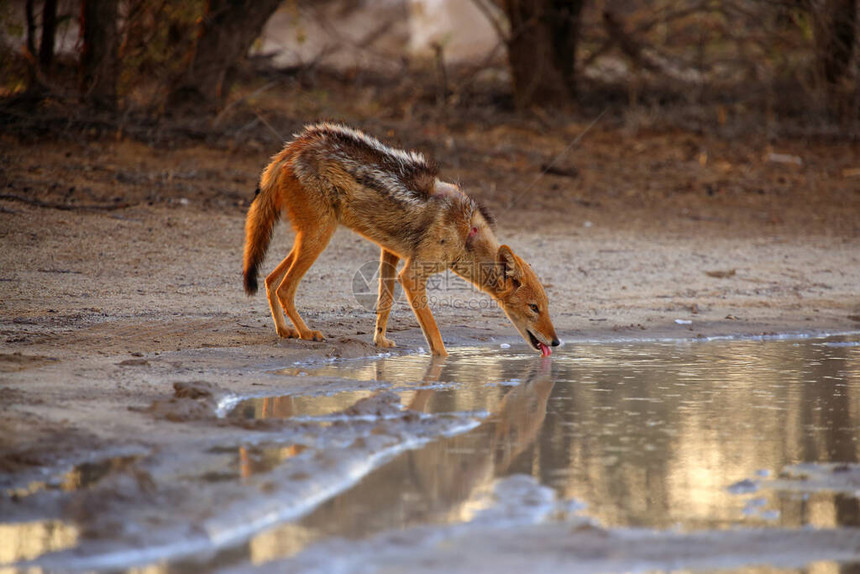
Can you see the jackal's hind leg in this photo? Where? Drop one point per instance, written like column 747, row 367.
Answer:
column 307, row 247
column 272, row 282
column 387, row 269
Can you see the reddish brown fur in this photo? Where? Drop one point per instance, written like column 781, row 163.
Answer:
column 331, row 175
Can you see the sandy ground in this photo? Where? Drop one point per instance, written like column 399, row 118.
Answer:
column 642, row 235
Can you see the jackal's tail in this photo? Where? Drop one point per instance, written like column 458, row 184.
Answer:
column 259, row 224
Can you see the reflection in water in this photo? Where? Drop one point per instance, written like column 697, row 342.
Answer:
column 646, row 434
column 26, row 540
column 22, row 541
column 297, row 406
column 258, row 460
column 81, row 476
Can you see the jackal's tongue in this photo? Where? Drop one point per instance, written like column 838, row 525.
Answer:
column 544, row 350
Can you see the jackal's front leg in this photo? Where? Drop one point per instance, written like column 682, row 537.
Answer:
column 414, row 281
column 387, row 270
column 432, row 375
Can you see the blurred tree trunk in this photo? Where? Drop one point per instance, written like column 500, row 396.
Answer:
column 99, row 61
column 34, row 83
column 49, row 30
column 835, row 30
column 227, row 31
column 39, row 61
column 30, row 13
column 542, row 50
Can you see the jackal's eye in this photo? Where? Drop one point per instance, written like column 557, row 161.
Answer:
column 534, row 308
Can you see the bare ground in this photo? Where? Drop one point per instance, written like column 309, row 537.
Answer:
column 127, row 278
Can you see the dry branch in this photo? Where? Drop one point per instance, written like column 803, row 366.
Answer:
column 494, row 16
column 645, row 57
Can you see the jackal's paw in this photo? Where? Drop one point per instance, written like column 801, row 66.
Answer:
column 287, row 333
column 313, row 336
column 384, row 342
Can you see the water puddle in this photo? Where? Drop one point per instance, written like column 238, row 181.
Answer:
column 254, row 460
column 668, row 435
column 679, row 437
column 29, row 539
column 82, row 476
column 297, row 407
column 247, row 460
column 23, row 541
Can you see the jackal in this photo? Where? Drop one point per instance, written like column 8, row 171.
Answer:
column 330, row 174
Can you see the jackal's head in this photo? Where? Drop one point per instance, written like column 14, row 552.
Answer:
column 524, row 301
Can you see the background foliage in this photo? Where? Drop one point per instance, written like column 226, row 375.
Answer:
column 795, row 60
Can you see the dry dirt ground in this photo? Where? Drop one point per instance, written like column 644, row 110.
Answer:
column 637, row 234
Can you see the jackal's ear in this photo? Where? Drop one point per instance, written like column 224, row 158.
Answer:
column 513, row 269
